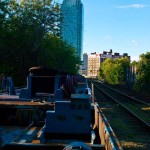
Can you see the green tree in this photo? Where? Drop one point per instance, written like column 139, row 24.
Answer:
column 113, row 71
column 4, row 34
column 58, row 54
column 30, row 33
column 32, row 20
column 143, row 73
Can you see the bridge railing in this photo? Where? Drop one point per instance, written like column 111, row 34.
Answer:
column 107, row 136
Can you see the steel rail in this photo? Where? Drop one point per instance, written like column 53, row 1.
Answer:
column 121, row 93
column 131, row 112
column 133, row 105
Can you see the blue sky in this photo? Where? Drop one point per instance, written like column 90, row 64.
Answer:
column 120, row 25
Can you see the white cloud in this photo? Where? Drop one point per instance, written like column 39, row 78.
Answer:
column 133, row 6
column 134, row 42
column 108, row 37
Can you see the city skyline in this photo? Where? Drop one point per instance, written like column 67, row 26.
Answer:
column 122, row 26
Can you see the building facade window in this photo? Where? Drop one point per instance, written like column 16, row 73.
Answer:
column 72, row 24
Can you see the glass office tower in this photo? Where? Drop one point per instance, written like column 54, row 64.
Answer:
column 72, row 24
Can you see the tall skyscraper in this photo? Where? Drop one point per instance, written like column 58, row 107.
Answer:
column 72, row 24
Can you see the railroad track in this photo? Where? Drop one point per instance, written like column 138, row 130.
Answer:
column 128, row 118
column 137, row 108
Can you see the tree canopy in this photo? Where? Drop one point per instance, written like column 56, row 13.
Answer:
column 30, row 36
column 58, row 54
column 143, row 73
column 113, row 71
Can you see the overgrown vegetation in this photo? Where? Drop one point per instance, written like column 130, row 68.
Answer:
column 30, row 36
column 113, row 71
column 143, row 73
